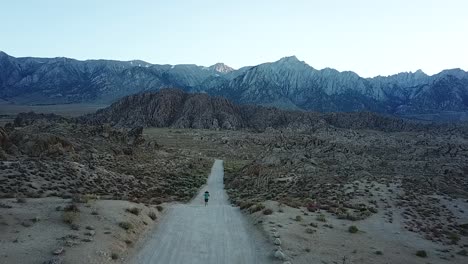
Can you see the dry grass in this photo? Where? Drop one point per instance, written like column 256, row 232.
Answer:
column 321, row 218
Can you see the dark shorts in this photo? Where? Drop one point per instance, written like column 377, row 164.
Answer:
column 206, row 200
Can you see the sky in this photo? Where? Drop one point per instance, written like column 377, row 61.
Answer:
column 369, row 37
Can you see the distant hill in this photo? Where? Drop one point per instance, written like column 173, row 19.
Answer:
column 178, row 109
column 287, row 83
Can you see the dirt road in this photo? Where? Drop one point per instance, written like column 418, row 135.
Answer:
column 193, row 233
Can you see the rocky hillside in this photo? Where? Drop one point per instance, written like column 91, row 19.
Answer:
column 178, row 109
column 288, row 83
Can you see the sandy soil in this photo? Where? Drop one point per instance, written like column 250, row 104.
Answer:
column 193, row 233
column 32, row 231
column 310, row 240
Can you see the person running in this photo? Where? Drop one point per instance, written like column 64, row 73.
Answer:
column 207, row 196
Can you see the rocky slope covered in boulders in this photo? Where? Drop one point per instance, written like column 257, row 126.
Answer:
column 41, row 157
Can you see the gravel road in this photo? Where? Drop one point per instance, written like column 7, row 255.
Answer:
column 193, row 233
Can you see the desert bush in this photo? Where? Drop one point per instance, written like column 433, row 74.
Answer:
column 114, row 256
column 257, row 207
column 353, row 229
column 86, row 198
column 350, row 215
column 421, row 253
column 70, row 217
column 152, row 215
column 134, row 210
column 160, row 208
column 321, row 218
column 454, row 238
column 298, row 218
column 312, row 207
column 126, row 225
column 267, row 211
column 71, row 208
column 78, row 198
column 245, row 205
column 463, row 252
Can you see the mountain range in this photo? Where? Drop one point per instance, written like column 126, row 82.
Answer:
column 287, row 83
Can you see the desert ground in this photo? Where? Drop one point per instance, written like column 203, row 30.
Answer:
column 53, row 230
column 333, row 195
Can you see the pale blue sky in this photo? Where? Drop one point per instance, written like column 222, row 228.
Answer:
column 370, row 37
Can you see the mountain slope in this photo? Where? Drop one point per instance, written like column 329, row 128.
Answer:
column 63, row 80
column 287, row 83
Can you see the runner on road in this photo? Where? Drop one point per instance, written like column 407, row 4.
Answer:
column 207, row 196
